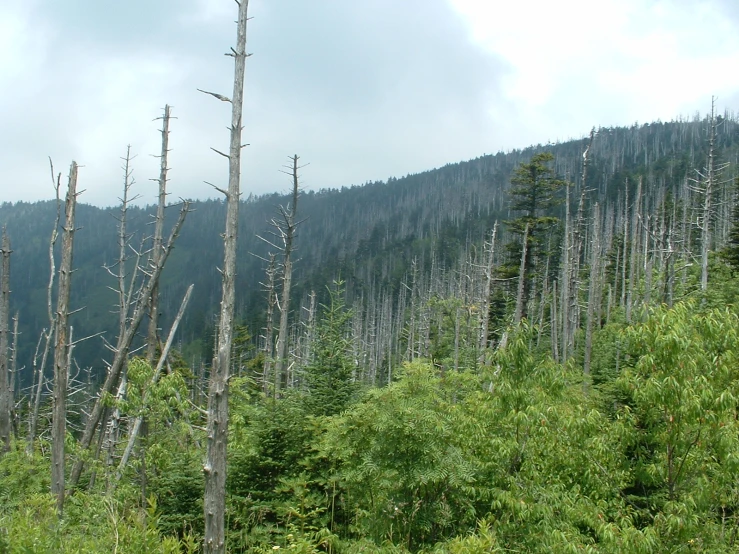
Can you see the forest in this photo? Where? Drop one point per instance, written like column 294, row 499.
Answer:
column 532, row 351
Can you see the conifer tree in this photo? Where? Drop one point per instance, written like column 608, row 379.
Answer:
column 329, row 376
column 534, row 192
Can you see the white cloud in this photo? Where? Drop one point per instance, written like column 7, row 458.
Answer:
column 607, row 62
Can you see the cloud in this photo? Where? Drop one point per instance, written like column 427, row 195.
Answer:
column 578, row 63
column 361, row 90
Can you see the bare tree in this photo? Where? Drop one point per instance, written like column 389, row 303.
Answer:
column 593, row 292
column 518, row 314
column 286, row 228
column 217, row 428
column 485, row 308
column 156, row 251
column 124, row 291
column 62, row 347
column 6, row 391
column 136, row 427
column 269, row 331
column 39, row 366
column 121, row 352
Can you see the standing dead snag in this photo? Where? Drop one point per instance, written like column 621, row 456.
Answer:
column 286, row 231
column 121, row 353
column 6, row 390
column 217, row 429
column 61, row 349
column 156, row 250
column 46, row 334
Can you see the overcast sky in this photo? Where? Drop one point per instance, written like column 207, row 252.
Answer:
column 361, row 90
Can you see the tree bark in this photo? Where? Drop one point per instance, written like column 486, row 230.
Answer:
column 156, row 251
column 61, row 350
column 485, row 308
column 518, row 314
column 6, row 391
column 287, row 231
column 593, row 296
column 214, row 541
column 708, row 192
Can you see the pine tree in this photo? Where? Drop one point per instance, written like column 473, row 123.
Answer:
column 534, row 192
column 330, row 374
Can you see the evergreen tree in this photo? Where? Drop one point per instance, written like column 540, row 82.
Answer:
column 534, row 189
column 329, row 375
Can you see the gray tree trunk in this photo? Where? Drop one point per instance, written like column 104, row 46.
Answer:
column 156, row 251
column 61, row 350
column 286, row 228
column 485, row 308
column 214, row 541
column 518, row 314
column 593, row 296
column 47, row 335
column 6, row 391
column 708, row 192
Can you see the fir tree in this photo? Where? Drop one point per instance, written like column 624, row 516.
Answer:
column 329, row 375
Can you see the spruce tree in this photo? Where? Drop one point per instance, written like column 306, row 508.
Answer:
column 534, row 189
column 329, row 375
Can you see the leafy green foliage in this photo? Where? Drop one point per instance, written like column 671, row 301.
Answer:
column 680, row 424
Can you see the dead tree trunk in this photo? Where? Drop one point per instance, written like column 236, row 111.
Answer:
column 156, row 251
column 124, row 292
column 485, row 308
column 61, row 350
column 46, row 334
column 269, row 329
column 286, row 228
column 217, row 429
column 136, row 427
column 593, row 296
column 15, row 423
column 708, row 192
column 633, row 240
column 121, row 353
column 6, row 391
column 518, row 314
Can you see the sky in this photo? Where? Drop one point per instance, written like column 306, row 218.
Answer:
column 361, row 91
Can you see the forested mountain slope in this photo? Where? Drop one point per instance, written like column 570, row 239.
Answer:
column 533, row 352
column 369, row 235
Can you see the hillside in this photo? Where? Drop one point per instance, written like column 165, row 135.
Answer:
column 369, row 235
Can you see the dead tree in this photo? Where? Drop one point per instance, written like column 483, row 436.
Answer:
column 6, row 391
column 13, row 377
column 136, row 427
column 124, row 291
column 286, row 227
column 488, row 290
column 121, row 353
column 269, row 331
column 62, row 347
column 593, row 292
column 706, row 184
column 156, row 250
column 47, row 334
column 214, row 541
column 518, row 314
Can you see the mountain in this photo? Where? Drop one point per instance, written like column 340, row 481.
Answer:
column 373, row 236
